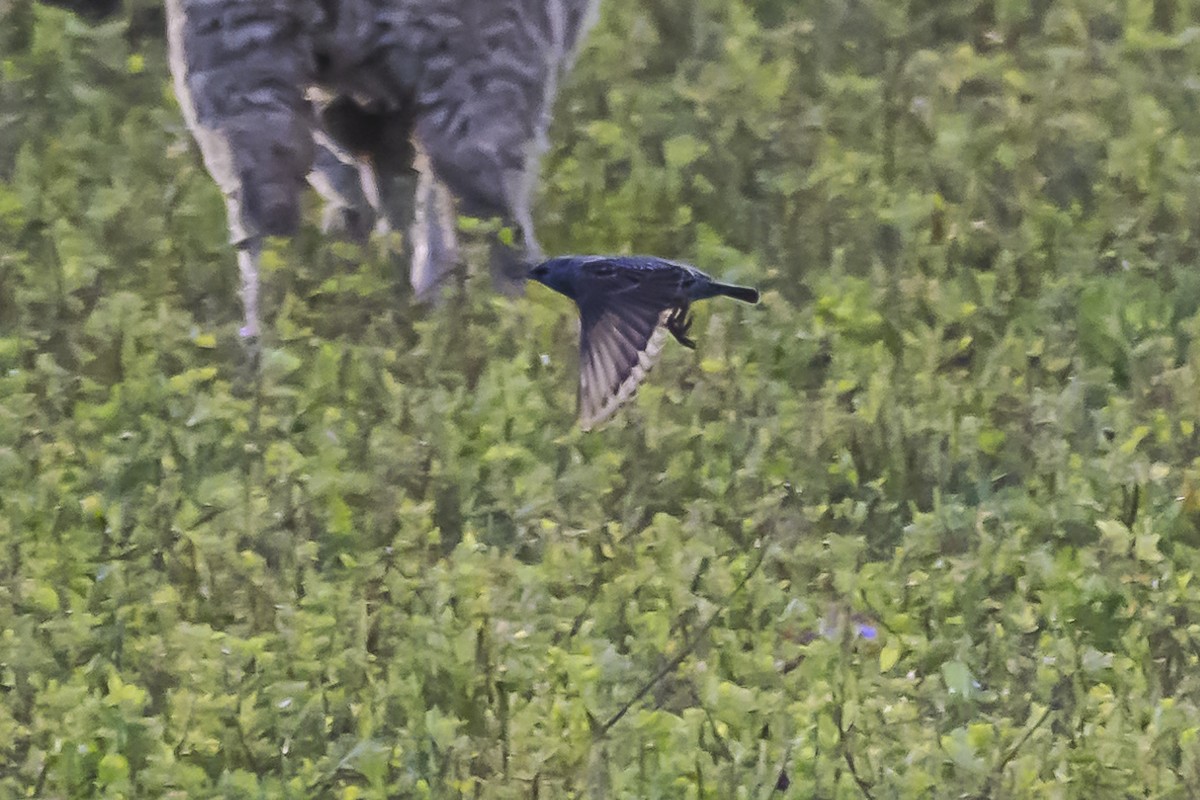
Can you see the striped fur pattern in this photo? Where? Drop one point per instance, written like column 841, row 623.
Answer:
column 405, row 109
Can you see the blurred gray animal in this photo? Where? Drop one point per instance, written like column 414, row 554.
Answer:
column 392, row 109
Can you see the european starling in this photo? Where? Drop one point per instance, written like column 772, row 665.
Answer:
column 627, row 306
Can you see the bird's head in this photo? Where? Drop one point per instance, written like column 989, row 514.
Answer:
column 558, row 273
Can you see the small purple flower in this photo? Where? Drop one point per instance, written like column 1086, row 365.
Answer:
column 866, row 631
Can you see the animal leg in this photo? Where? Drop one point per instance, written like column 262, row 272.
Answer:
column 404, row 197
column 678, row 324
column 348, row 213
column 240, row 69
column 433, row 234
column 487, row 86
column 514, row 250
column 247, row 257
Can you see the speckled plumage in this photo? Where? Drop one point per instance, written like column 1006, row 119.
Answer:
column 627, row 306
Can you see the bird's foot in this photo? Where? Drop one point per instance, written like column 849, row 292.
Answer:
column 678, row 324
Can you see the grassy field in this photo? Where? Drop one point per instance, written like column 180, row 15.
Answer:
column 922, row 524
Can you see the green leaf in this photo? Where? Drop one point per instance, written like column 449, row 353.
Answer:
column 113, row 768
column 683, row 150
column 889, row 654
column 957, row 677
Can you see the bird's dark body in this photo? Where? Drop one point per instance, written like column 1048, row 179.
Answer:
column 624, row 303
column 565, row 273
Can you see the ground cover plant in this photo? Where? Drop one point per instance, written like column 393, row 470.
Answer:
column 922, row 524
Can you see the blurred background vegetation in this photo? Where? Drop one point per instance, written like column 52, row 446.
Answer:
column 924, row 523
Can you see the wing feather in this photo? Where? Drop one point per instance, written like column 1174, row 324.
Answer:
column 621, row 310
column 615, row 358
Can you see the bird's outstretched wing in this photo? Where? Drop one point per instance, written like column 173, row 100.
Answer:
column 621, row 315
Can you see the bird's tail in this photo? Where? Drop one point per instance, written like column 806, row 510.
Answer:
column 743, row 293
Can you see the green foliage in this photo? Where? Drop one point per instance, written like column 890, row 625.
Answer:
column 964, row 416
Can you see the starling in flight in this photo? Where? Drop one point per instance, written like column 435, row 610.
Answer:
column 627, row 306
